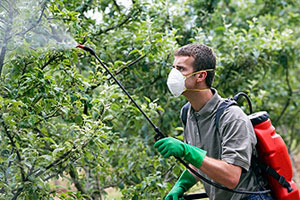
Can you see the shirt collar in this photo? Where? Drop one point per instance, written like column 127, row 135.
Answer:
column 209, row 107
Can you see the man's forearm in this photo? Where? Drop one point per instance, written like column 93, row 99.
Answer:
column 220, row 171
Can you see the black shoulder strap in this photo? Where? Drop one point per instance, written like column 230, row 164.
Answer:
column 224, row 105
column 184, row 112
column 272, row 172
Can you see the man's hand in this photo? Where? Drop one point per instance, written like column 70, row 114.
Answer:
column 175, row 193
column 185, row 182
column 172, row 147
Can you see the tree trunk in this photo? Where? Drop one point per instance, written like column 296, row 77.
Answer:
column 7, row 36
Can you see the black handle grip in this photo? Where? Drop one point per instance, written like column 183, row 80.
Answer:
column 195, row 196
column 159, row 135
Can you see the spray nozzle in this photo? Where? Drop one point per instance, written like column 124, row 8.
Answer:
column 86, row 49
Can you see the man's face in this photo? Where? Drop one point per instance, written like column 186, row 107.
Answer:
column 184, row 64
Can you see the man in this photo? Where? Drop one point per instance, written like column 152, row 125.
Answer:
column 223, row 156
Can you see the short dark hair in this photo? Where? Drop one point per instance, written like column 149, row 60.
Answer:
column 204, row 56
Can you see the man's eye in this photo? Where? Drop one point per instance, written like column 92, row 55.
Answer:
column 180, row 69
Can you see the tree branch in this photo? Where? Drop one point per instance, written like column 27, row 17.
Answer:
column 126, row 20
column 130, row 64
column 67, row 155
column 74, row 176
column 210, row 7
column 60, row 171
column 117, row 6
column 34, row 25
column 58, row 161
column 4, row 7
column 14, row 146
column 124, row 68
column 2, row 56
column 23, row 72
column 53, row 114
column 290, row 94
column 2, row 20
column 7, row 36
column 31, row 169
column 61, row 159
column 17, row 193
column 8, row 3
column 98, row 184
column 85, row 7
column 53, row 58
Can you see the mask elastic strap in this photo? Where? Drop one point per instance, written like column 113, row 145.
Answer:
column 197, row 90
column 205, row 70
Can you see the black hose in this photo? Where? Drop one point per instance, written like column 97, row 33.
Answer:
column 237, row 96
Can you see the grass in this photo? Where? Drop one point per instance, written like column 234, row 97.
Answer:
column 113, row 194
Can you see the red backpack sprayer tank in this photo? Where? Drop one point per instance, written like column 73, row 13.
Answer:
column 273, row 153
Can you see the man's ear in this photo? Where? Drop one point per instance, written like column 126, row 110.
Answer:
column 201, row 77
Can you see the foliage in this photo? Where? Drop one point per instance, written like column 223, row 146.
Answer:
column 61, row 114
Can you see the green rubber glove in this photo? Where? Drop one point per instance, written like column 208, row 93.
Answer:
column 172, row 147
column 185, row 182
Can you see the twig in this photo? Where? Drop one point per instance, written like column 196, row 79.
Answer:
column 290, row 94
column 7, row 2
column 127, row 19
column 74, row 176
column 117, row 6
column 58, row 161
column 23, row 72
column 25, row 66
column 53, row 58
column 67, row 155
column 124, row 68
column 53, row 114
column 17, row 193
column 2, row 56
column 34, row 25
column 31, row 169
column 2, row 20
column 4, row 8
column 130, row 64
column 61, row 159
column 84, row 7
column 210, row 7
column 7, row 36
column 5, row 175
column 14, row 146
column 60, row 171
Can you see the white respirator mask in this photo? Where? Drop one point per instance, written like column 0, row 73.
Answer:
column 176, row 82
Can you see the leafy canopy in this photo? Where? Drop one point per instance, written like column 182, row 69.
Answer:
column 62, row 116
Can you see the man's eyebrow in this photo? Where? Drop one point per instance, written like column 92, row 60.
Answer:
column 178, row 66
